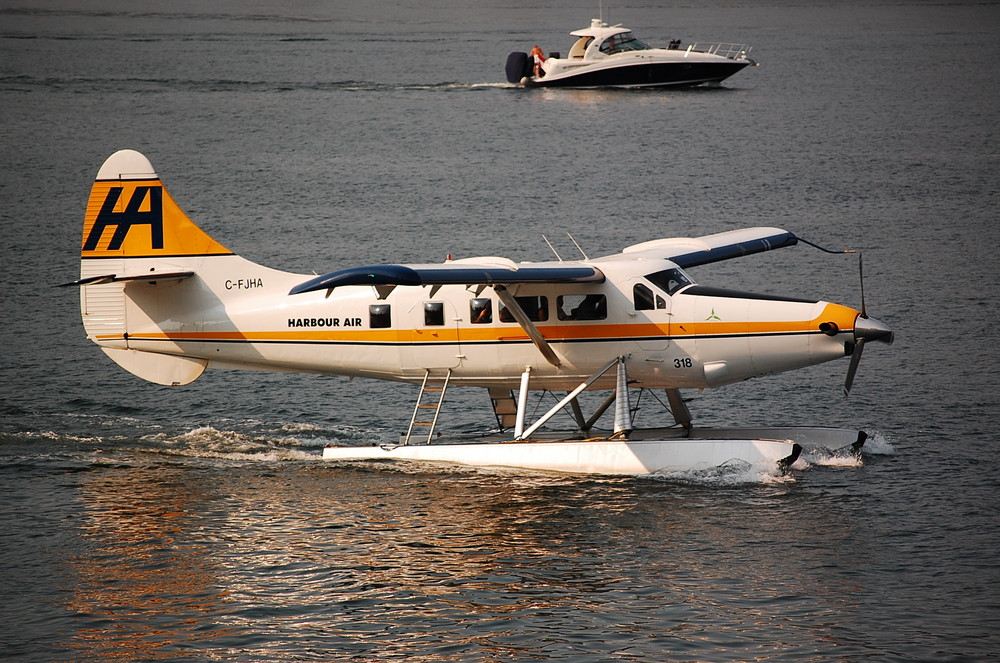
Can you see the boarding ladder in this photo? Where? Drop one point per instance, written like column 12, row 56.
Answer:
column 428, row 407
column 504, row 407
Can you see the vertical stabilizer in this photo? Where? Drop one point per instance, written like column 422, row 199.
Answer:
column 134, row 237
column 130, row 214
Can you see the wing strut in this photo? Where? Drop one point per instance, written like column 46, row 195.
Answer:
column 522, row 319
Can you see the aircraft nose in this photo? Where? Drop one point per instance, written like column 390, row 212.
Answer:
column 869, row 329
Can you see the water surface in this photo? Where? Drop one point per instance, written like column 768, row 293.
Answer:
column 142, row 522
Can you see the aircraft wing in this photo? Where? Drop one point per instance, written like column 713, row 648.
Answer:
column 683, row 251
column 693, row 251
column 463, row 272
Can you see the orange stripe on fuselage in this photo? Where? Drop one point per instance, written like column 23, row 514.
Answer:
column 842, row 316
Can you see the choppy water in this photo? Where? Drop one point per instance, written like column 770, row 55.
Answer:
column 139, row 522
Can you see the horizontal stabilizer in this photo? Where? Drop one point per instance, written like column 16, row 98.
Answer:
column 113, row 278
column 693, row 251
column 450, row 274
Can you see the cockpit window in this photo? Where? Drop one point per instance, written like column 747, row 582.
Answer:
column 670, row 280
column 645, row 299
column 623, row 41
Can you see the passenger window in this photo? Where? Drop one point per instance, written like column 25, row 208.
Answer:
column 536, row 308
column 582, row 307
column 433, row 313
column 481, row 310
column 379, row 316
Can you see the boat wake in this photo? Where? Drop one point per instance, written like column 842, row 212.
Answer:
column 136, row 84
column 877, row 444
column 209, row 442
column 257, row 441
column 732, row 473
column 290, row 442
column 305, row 442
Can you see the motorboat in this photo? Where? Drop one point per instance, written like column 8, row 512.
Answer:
column 611, row 56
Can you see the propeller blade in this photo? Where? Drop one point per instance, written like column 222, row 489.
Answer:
column 865, row 329
column 861, row 273
column 859, row 347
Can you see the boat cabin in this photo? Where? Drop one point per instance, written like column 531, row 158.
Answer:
column 599, row 41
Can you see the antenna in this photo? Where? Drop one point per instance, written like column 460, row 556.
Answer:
column 552, row 248
column 577, row 245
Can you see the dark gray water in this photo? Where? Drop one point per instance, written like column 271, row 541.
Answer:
column 140, row 522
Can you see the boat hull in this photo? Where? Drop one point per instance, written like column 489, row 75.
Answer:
column 652, row 75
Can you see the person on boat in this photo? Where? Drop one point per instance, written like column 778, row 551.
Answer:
column 539, row 57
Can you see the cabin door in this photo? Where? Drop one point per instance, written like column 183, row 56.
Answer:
column 433, row 340
column 650, row 315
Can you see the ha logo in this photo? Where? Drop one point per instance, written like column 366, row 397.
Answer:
column 133, row 215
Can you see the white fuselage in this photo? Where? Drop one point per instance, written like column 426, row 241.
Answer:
column 236, row 313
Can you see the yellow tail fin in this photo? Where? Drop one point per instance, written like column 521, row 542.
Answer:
column 131, row 215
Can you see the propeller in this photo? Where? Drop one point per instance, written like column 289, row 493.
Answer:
column 865, row 329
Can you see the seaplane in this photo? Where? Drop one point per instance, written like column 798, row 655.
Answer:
column 166, row 302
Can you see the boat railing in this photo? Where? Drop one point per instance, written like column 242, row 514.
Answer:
column 731, row 51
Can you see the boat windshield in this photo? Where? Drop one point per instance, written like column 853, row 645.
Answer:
column 623, row 41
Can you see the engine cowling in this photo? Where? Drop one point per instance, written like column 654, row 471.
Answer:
column 518, row 66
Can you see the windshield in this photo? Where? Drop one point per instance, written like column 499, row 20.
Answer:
column 670, row 280
column 624, row 41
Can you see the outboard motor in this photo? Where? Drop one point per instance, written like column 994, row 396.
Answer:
column 518, row 66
